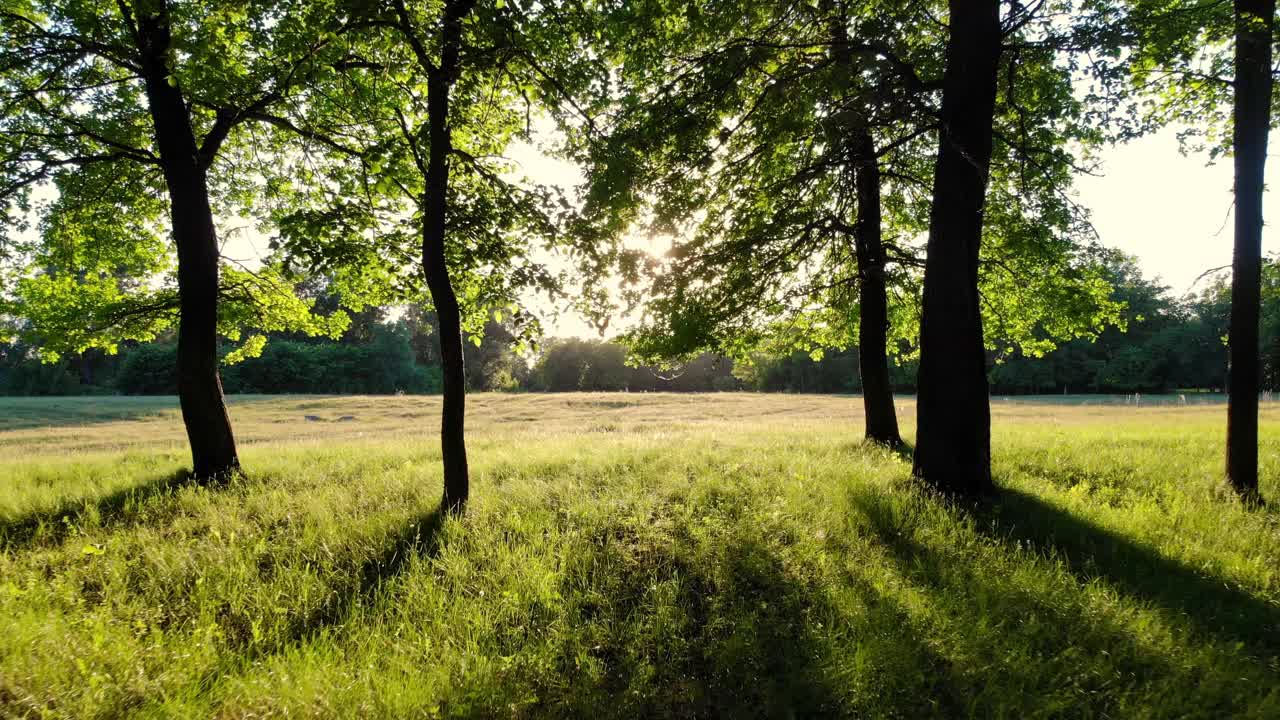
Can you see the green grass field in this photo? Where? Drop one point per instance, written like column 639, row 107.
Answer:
column 629, row 556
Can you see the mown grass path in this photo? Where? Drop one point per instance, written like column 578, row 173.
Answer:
column 631, row 556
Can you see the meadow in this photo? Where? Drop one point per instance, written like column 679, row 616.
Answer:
column 630, row 555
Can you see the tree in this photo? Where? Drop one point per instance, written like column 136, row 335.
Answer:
column 953, row 431
column 434, row 205
column 1182, row 66
column 859, row 145
column 784, row 149
column 1254, row 23
column 758, row 131
column 414, row 192
column 129, row 107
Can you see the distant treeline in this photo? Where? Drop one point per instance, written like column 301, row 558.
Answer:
column 1169, row 344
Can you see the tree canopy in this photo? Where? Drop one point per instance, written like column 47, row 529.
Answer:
column 728, row 139
column 77, row 152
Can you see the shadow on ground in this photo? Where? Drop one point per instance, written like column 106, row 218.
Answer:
column 725, row 632
column 736, row 625
column 649, row 629
column 1212, row 605
column 1025, row 646
column 726, row 616
column 419, row 537
column 114, row 509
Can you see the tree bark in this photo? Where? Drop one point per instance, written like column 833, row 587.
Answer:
column 953, row 416
column 204, row 410
column 1254, row 20
column 873, row 304
column 435, row 207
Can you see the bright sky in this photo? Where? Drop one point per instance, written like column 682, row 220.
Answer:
column 1170, row 210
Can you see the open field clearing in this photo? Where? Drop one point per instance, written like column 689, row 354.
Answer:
column 629, row 555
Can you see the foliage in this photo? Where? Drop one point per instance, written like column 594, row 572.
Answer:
column 1163, row 63
column 20, row 374
column 1167, row 344
column 355, row 207
column 77, row 151
column 731, row 137
column 149, row 369
column 830, row 372
column 384, row 366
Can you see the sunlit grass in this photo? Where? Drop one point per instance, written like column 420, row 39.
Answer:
column 633, row 556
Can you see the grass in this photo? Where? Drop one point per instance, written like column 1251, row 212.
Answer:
column 630, row 556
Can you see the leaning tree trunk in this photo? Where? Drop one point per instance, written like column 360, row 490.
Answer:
column 204, row 410
column 953, row 421
column 1254, row 19
column 453, row 445
column 873, row 321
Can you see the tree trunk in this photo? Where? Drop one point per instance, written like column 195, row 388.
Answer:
column 453, row 447
column 953, row 416
column 1254, row 19
column 873, row 304
column 86, row 367
column 204, row 411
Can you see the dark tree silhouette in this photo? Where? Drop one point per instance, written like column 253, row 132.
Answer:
column 953, row 435
column 435, row 210
column 1252, row 97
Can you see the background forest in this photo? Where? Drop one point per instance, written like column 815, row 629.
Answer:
column 1168, row 344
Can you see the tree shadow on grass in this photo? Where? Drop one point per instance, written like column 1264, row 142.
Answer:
column 1029, row 650
column 907, row 676
column 419, row 537
column 754, row 651
column 1094, row 552
column 740, row 627
column 658, row 630
column 672, row 631
column 116, row 508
